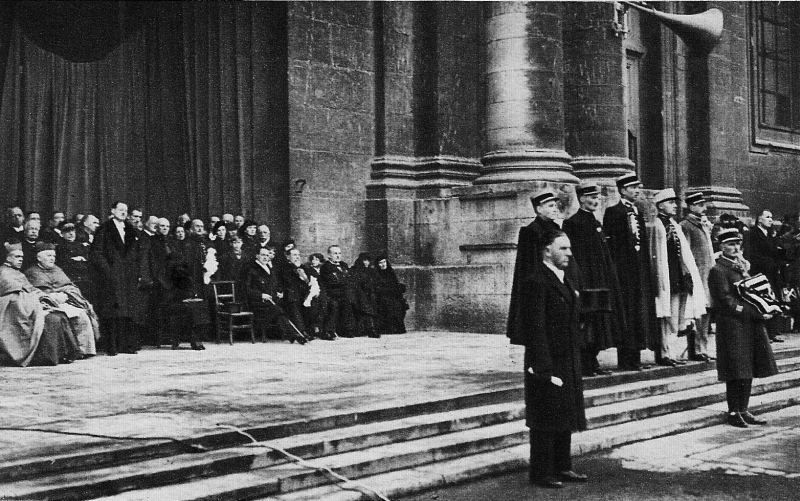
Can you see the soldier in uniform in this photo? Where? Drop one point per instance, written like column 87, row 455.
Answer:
column 627, row 238
column 680, row 295
column 545, row 204
column 743, row 350
column 699, row 238
column 602, row 330
column 548, row 328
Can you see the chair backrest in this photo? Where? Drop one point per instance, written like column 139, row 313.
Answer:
column 221, row 294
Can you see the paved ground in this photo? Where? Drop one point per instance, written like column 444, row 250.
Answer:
column 720, row 463
column 161, row 392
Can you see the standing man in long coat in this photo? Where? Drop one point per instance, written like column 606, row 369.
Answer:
column 761, row 249
column 627, row 238
column 548, row 318
column 743, row 350
column 699, row 238
column 529, row 247
column 680, row 295
column 602, row 330
column 115, row 257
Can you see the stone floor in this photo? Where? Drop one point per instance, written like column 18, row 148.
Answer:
column 161, row 392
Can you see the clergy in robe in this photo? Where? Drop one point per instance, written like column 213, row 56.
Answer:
column 601, row 329
column 30, row 332
column 49, row 278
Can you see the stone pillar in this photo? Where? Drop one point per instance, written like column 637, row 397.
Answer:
column 523, row 83
column 596, row 129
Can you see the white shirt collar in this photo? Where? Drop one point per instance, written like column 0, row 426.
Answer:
column 266, row 268
column 559, row 273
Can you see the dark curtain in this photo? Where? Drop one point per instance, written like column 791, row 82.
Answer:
column 187, row 113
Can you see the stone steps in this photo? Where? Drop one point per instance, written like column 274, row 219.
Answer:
column 245, row 472
column 410, row 481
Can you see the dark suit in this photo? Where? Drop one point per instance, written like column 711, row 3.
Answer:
column 548, row 317
column 257, row 281
column 116, row 268
column 528, row 256
column 765, row 257
column 632, row 262
column 338, row 315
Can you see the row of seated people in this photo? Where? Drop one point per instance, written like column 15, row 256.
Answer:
column 296, row 301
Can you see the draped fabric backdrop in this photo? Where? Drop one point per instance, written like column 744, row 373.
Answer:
column 186, row 111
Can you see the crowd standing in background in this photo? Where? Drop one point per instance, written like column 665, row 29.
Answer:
column 75, row 285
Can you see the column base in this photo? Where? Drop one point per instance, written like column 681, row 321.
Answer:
column 442, row 171
column 526, row 165
column 723, row 199
column 601, row 169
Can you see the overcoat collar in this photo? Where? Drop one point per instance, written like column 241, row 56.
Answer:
column 565, row 288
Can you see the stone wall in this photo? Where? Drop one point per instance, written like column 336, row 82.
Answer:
column 331, row 121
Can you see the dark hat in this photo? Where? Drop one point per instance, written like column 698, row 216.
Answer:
column 288, row 245
column 630, row 179
column 695, row 198
column 729, row 235
column 218, row 225
column 543, row 197
column 44, row 246
column 587, row 189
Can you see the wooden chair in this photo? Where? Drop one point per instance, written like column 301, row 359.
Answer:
column 228, row 311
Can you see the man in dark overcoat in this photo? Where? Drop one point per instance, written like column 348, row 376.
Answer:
column 333, row 280
column 766, row 257
column 545, row 205
column 114, row 256
column 602, row 330
column 553, row 386
column 699, row 238
column 624, row 225
column 743, row 350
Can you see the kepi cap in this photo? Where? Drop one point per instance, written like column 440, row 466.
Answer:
column 729, row 235
column 695, row 197
column 543, row 197
column 626, row 180
column 587, row 189
column 664, row 195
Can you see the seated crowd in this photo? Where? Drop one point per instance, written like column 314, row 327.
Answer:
column 79, row 283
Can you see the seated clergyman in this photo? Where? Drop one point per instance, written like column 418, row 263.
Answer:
column 66, row 296
column 31, row 332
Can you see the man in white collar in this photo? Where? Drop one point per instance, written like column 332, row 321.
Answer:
column 553, row 387
column 766, row 257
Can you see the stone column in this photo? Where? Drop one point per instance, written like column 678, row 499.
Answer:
column 596, row 129
column 523, row 82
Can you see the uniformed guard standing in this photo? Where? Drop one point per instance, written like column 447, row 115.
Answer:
column 627, row 238
column 601, row 329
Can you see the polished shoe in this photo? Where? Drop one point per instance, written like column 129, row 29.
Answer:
column 667, row 362
column 604, row 372
column 198, row 347
column 735, row 419
column 589, row 374
column 751, row 419
column 571, row 476
column 634, row 368
column 175, row 347
column 699, row 358
column 776, row 340
column 547, row 482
